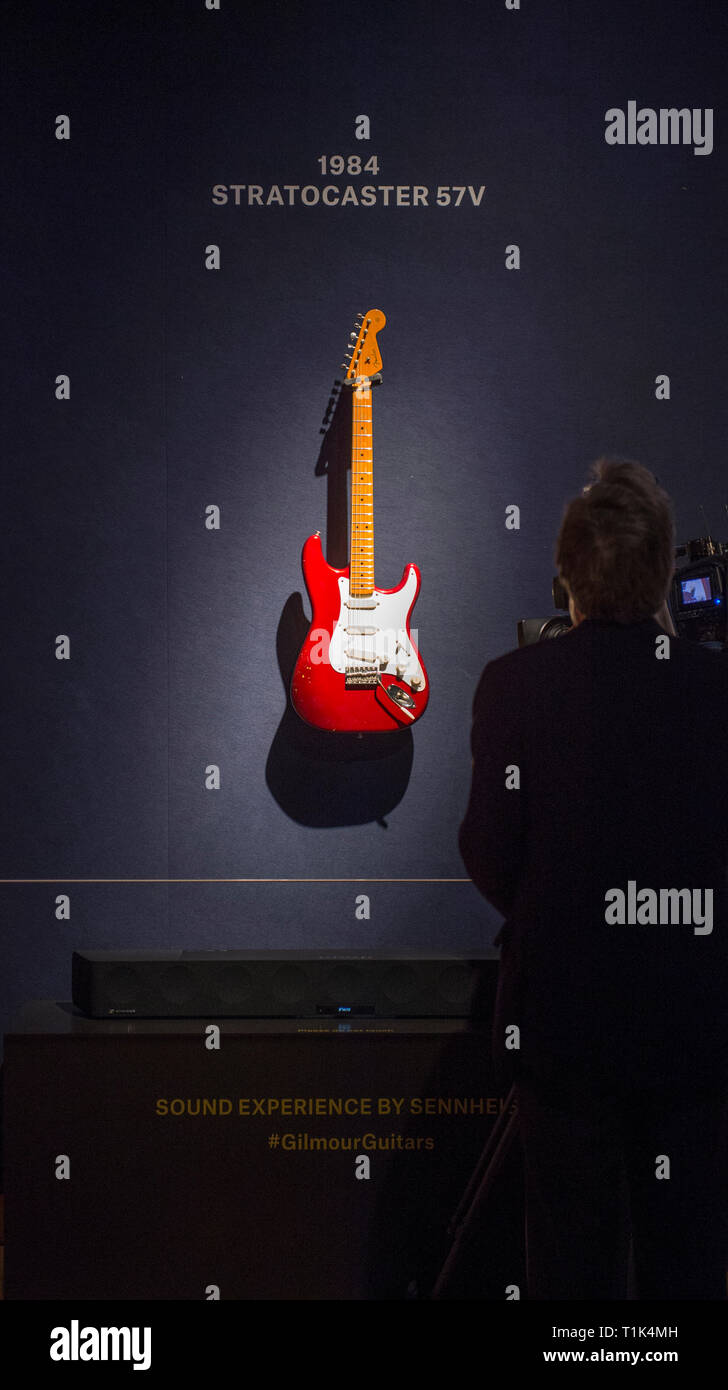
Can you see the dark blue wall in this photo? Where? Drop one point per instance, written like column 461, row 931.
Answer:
column 191, row 387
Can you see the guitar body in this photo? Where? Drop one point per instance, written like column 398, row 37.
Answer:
column 358, row 669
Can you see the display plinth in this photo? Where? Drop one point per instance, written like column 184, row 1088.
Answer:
column 195, row 1172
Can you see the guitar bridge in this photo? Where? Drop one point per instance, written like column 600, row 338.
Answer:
column 354, row 680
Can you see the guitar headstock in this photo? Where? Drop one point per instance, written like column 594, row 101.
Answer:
column 365, row 358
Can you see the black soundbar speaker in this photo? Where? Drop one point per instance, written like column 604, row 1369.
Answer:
column 284, row 984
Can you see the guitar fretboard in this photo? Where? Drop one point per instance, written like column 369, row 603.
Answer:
column 361, row 558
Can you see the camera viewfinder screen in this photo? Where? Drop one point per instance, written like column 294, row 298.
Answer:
column 696, row 590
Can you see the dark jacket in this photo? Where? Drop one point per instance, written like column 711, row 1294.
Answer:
column 623, row 764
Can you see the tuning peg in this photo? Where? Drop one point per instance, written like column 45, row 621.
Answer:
column 353, row 337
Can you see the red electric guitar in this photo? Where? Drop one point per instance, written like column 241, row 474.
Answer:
column 359, row 668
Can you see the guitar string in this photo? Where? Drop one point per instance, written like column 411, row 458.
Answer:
column 355, row 494
column 354, row 572
column 361, row 570
column 362, row 511
column 362, row 504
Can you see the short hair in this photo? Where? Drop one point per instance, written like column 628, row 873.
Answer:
column 616, row 545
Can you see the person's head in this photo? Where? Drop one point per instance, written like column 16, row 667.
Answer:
column 615, row 551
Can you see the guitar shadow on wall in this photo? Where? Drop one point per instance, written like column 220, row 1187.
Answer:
column 320, row 778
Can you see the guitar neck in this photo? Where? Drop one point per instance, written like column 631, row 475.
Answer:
column 361, row 555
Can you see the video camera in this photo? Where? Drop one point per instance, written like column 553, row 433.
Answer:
column 698, row 593
column 698, row 598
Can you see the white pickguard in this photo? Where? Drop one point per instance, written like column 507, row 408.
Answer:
column 371, row 634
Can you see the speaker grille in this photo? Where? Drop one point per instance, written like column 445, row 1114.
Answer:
column 272, row 984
